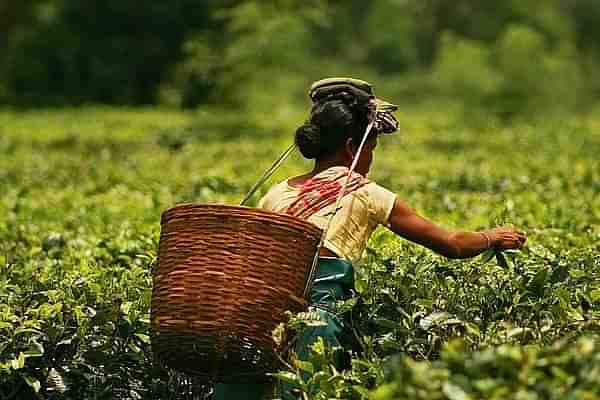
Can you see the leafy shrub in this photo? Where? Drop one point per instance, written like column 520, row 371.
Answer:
column 252, row 52
column 393, row 47
column 563, row 370
column 83, row 190
column 464, row 67
column 520, row 75
column 534, row 76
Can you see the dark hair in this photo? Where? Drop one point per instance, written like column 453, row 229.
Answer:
column 330, row 124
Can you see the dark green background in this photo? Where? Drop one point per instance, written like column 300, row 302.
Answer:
column 509, row 57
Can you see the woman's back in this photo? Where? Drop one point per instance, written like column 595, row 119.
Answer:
column 365, row 206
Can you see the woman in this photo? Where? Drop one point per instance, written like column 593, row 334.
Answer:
column 342, row 111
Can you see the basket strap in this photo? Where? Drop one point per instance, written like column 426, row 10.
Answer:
column 270, row 171
column 313, row 268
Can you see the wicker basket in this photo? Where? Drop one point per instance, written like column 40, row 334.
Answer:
column 225, row 276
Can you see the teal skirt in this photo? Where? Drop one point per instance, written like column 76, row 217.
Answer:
column 334, row 281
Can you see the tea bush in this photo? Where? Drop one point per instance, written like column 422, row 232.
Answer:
column 564, row 370
column 83, row 189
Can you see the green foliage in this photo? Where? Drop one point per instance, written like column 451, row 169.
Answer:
column 459, row 55
column 521, row 75
column 393, row 46
column 511, row 57
column 103, row 51
column 250, row 54
column 83, row 189
column 563, row 370
column 554, row 78
column 318, row 378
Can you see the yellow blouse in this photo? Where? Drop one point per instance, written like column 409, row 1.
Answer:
column 361, row 212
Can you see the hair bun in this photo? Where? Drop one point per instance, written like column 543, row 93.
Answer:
column 308, row 139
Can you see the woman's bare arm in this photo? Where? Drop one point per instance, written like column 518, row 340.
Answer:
column 452, row 244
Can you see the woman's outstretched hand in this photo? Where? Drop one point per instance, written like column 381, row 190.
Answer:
column 459, row 244
column 507, row 238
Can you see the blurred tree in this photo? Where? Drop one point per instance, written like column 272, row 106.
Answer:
column 263, row 45
column 586, row 17
column 12, row 13
column 458, row 55
column 393, row 36
column 98, row 50
column 536, row 76
column 520, row 74
column 188, row 52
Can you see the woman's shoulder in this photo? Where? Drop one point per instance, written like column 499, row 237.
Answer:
column 380, row 200
column 275, row 194
column 374, row 189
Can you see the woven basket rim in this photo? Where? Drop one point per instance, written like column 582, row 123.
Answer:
column 257, row 211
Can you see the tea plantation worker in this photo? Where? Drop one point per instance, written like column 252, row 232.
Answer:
column 342, row 109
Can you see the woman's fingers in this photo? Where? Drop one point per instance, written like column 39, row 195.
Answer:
column 522, row 238
column 513, row 240
column 510, row 238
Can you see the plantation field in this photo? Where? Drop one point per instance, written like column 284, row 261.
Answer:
column 82, row 190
